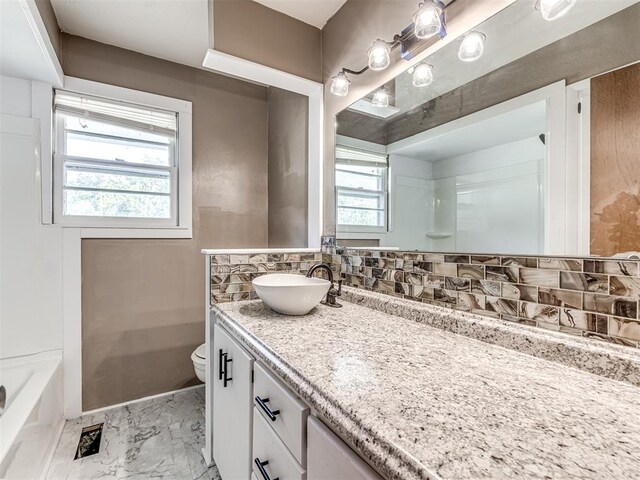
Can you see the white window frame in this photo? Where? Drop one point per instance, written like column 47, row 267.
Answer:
column 180, row 223
column 347, row 228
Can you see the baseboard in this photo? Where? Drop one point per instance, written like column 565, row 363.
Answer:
column 143, row 399
column 208, row 461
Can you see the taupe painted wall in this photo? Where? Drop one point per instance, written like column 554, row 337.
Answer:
column 50, row 23
column 252, row 31
column 143, row 300
column 288, row 127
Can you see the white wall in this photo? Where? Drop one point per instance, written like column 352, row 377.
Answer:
column 492, row 199
column 30, row 252
column 410, row 194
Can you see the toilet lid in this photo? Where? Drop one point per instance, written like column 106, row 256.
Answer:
column 201, row 351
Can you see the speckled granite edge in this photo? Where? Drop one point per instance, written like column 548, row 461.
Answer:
column 392, row 462
column 604, row 359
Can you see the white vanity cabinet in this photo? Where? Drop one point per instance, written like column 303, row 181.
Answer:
column 263, row 431
column 232, row 407
column 329, row 458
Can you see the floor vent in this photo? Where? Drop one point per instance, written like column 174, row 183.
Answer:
column 89, row 443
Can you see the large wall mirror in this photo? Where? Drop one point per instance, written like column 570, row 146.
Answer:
column 532, row 149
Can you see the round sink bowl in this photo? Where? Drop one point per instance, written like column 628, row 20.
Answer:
column 290, row 294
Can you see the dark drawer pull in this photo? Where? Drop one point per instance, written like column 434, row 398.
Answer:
column 226, row 379
column 262, row 402
column 261, row 469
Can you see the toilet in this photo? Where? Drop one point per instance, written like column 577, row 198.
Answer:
column 199, row 359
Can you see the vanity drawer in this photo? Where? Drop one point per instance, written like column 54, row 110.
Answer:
column 290, row 423
column 268, row 447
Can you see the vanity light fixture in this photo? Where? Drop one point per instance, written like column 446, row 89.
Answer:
column 472, row 46
column 340, row 84
column 379, row 55
column 428, row 19
column 380, row 98
column 422, row 75
column 554, row 9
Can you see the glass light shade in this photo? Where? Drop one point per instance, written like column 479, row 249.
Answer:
column 379, row 55
column 380, row 98
column 340, row 84
column 427, row 22
column 552, row 9
column 472, row 47
column 422, row 75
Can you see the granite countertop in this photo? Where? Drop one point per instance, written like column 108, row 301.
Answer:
column 422, row 402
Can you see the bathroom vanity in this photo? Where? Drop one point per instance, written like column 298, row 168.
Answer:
column 384, row 387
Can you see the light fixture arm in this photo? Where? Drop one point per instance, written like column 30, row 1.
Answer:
column 353, row 72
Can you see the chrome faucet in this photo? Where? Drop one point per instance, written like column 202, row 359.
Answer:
column 332, row 293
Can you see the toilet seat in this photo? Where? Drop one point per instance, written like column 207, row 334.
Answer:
column 198, row 357
column 200, row 352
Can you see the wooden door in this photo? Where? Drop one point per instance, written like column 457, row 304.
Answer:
column 615, row 162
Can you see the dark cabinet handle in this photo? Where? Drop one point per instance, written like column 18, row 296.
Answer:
column 226, row 379
column 261, row 469
column 262, row 403
column 221, row 357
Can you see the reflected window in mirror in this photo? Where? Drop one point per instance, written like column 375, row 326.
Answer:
column 361, row 189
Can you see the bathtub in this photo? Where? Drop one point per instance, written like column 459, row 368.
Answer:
column 32, row 419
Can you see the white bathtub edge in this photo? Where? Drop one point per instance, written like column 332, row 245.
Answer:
column 53, row 447
column 13, row 420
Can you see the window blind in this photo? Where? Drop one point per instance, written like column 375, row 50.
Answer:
column 113, row 111
column 351, row 156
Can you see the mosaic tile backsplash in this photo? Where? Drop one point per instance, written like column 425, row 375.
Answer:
column 231, row 275
column 588, row 297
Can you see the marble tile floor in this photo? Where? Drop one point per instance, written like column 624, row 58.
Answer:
column 159, row 438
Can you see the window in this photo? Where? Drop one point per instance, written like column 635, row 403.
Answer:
column 361, row 188
column 116, row 163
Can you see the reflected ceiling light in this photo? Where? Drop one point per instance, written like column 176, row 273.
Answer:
column 340, row 84
column 379, row 55
column 427, row 20
column 422, row 75
column 472, row 47
column 381, row 97
column 553, row 9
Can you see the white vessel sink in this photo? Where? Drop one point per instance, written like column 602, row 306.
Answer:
column 290, row 294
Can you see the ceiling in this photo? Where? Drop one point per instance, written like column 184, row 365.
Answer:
column 313, row 12
column 175, row 30
column 519, row 124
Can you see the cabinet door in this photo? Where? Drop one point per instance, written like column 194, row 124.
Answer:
column 329, row 458
column 232, row 407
